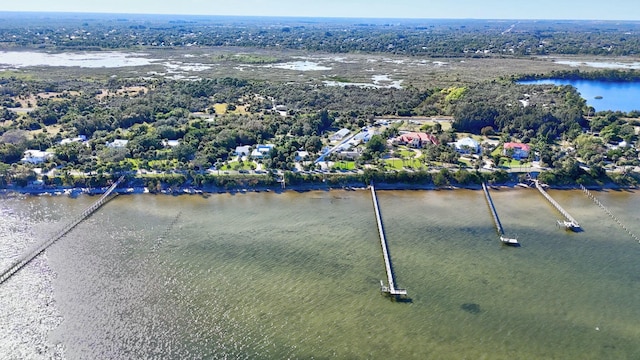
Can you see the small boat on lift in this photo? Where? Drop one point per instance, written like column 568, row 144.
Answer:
column 509, row 241
column 568, row 225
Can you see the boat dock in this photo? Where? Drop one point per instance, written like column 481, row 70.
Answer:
column 29, row 255
column 570, row 223
column 391, row 288
column 496, row 219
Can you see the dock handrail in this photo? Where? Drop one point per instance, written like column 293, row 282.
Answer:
column 391, row 289
column 606, row 210
column 34, row 251
column 574, row 222
column 496, row 220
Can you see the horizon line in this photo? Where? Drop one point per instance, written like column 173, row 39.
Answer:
column 55, row 12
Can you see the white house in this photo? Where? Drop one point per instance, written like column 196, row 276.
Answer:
column 242, row 150
column 339, row 135
column 36, row 156
column 80, row 138
column 467, row 146
column 364, row 136
column 118, row 143
column 350, row 154
column 170, row 143
column 262, row 150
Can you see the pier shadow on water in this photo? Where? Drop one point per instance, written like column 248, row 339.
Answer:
column 401, row 299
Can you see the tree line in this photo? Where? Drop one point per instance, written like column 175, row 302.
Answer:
column 426, row 37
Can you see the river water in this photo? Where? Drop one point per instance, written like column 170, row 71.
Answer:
column 296, row 275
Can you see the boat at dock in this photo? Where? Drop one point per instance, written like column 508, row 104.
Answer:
column 503, row 239
column 569, row 225
column 509, row 241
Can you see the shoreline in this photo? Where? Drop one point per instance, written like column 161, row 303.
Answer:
column 74, row 192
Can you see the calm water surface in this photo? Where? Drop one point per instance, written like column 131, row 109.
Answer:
column 296, row 275
column 616, row 96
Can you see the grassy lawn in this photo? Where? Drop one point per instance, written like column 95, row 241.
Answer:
column 159, row 164
column 235, row 165
column 52, row 130
column 344, row 165
column 513, row 163
column 406, row 153
column 222, row 109
column 465, row 162
column 135, row 163
column 398, row 164
column 497, row 151
column 478, row 138
column 446, row 125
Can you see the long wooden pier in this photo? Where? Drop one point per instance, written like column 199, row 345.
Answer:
column 604, row 208
column 570, row 223
column 29, row 255
column 391, row 288
column 496, row 219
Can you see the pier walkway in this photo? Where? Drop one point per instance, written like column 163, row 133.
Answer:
column 391, row 289
column 604, row 208
column 570, row 222
column 29, row 255
column 496, row 219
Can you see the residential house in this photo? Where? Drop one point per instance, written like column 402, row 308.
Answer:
column 467, row 146
column 363, row 136
column 170, row 143
column 242, row 150
column 262, row 151
column 520, row 151
column 350, row 154
column 281, row 109
column 415, row 139
column 118, row 143
column 36, row 156
column 79, row 138
column 339, row 135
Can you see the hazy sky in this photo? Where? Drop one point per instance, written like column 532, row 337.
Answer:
column 480, row 9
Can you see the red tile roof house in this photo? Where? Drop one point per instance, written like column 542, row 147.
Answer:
column 520, row 151
column 416, row 140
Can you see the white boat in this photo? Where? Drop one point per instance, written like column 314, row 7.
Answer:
column 509, row 241
column 568, row 225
